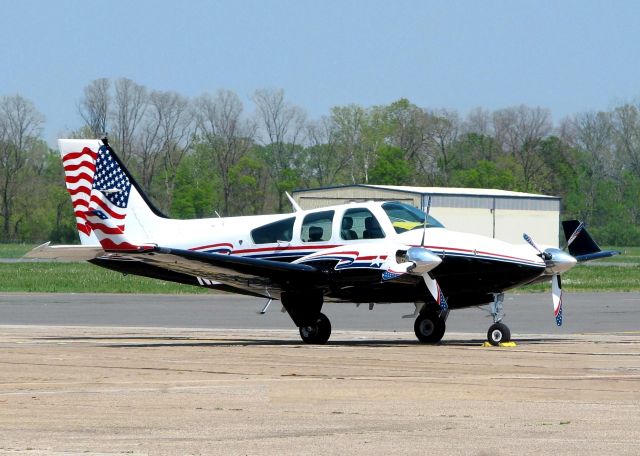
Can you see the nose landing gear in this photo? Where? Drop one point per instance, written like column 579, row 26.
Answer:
column 498, row 332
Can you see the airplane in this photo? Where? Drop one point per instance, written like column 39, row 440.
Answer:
column 362, row 253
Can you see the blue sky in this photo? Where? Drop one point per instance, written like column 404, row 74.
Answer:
column 568, row 56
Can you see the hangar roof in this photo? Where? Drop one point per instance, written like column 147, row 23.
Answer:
column 442, row 191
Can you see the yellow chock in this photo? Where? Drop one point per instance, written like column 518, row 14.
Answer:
column 502, row 344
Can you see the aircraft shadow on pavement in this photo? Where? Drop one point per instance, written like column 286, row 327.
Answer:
column 187, row 341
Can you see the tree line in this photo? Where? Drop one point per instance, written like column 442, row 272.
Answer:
column 200, row 156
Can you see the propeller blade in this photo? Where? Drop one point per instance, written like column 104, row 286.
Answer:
column 556, row 290
column 544, row 255
column 436, row 292
column 531, row 243
column 575, row 234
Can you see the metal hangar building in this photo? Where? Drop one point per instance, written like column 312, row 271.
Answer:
column 500, row 214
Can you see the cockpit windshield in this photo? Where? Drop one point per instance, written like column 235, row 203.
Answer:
column 405, row 218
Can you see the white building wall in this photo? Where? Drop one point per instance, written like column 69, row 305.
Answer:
column 542, row 226
column 467, row 220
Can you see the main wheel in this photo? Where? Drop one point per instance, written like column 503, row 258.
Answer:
column 429, row 328
column 318, row 333
column 498, row 333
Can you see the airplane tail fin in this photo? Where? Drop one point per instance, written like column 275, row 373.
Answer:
column 111, row 236
column 97, row 180
column 580, row 243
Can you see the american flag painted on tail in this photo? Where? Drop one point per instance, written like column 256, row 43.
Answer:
column 111, row 237
column 96, row 181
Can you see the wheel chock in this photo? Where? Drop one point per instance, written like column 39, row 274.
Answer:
column 502, row 344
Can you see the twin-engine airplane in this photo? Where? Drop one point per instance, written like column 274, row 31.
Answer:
column 373, row 252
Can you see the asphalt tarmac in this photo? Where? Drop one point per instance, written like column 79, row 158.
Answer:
column 162, row 391
column 86, row 374
column 525, row 313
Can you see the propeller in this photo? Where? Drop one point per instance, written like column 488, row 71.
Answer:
column 429, row 280
column 556, row 291
column 437, row 294
column 556, row 261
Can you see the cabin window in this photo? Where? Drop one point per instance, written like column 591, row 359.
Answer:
column 316, row 227
column 282, row 230
column 405, row 218
column 360, row 223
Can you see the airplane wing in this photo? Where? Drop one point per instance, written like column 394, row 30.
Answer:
column 250, row 274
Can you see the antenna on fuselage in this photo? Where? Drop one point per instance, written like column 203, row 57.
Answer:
column 296, row 206
column 426, row 216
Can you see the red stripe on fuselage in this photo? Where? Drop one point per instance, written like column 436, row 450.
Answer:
column 265, row 249
column 435, row 248
column 202, row 247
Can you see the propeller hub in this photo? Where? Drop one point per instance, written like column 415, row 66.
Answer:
column 424, row 259
column 558, row 261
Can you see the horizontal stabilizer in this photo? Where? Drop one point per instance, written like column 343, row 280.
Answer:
column 597, row 255
column 64, row 252
column 580, row 243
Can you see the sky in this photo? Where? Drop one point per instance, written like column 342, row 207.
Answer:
column 567, row 56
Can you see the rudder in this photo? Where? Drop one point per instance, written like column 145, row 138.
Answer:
column 96, row 179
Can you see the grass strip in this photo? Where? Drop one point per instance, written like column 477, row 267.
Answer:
column 87, row 278
column 81, row 278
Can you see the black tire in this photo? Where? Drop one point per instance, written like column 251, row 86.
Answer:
column 498, row 333
column 429, row 328
column 318, row 333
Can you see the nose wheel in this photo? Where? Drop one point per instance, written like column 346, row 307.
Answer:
column 498, row 332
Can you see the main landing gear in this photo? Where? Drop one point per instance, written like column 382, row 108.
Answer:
column 318, row 332
column 304, row 309
column 430, row 326
column 498, row 332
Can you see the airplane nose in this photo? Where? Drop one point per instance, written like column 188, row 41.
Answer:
column 559, row 262
column 424, row 259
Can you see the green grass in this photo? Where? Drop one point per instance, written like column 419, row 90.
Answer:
column 80, row 278
column 87, row 278
column 629, row 255
column 596, row 278
column 15, row 250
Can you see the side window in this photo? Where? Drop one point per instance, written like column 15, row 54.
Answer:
column 317, row 227
column 281, row 230
column 360, row 223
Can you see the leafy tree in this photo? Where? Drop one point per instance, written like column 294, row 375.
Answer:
column 248, row 180
column 197, row 190
column 488, row 174
column 20, row 129
column 391, row 167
